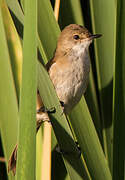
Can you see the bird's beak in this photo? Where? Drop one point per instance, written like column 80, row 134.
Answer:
column 93, row 36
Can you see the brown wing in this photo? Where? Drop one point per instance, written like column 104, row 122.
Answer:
column 51, row 61
column 49, row 64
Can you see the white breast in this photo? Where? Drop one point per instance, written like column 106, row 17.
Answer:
column 70, row 83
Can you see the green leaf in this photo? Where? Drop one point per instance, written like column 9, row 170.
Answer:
column 14, row 47
column 70, row 12
column 15, row 8
column 119, row 96
column 48, row 36
column 8, row 100
column 27, row 125
column 89, row 142
column 103, row 22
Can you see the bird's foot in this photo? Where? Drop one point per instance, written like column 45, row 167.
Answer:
column 62, row 105
column 42, row 115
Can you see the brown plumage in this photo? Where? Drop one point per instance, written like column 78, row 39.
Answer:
column 69, row 69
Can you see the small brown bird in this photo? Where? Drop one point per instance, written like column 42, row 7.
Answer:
column 68, row 70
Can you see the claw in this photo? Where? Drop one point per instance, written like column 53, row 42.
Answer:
column 62, row 103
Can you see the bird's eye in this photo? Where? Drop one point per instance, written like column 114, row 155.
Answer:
column 76, row 37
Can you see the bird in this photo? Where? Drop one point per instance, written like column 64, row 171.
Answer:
column 68, row 70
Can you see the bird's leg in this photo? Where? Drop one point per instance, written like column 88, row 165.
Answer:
column 42, row 116
column 42, row 112
column 62, row 105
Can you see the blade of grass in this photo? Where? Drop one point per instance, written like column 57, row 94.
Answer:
column 70, row 12
column 89, row 143
column 103, row 22
column 14, row 47
column 48, row 36
column 8, row 101
column 91, row 99
column 119, row 95
column 27, row 124
column 15, row 7
column 58, row 168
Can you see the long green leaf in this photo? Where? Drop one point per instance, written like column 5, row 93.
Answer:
column 8, row 100
column 14, row 47
column 27, row 124
column 89, row 143
column 48, row 36
column 58, row 168
column 15, row 8
column 119, row 96
column 103, row 21
column 70, row 12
